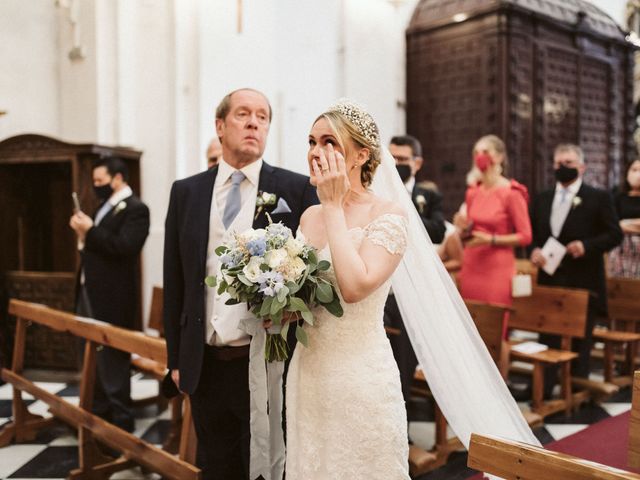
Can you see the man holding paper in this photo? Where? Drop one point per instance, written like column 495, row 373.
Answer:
column 573, row 225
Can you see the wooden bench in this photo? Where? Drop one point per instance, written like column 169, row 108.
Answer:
column 557, row 311
column 514, row 460
column 92, row 463
column 489, row 320
column 634, row 424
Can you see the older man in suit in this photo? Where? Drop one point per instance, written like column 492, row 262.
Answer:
column 207, row 353
column 108, row 290
column 583, row 219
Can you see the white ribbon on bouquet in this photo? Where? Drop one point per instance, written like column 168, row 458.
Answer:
column 267, row 451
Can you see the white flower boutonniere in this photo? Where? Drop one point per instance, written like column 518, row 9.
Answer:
column 421, row 201
column 576, row 202
column 119, row 207
column 263, row 199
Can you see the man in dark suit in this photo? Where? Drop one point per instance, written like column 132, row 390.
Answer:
column 207, row 353
column 583, row 219
column 407, row 152
column 110, row 245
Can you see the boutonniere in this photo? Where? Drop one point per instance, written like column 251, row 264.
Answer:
column 421, row 201
column 119, row 207
column 263, row 199
column 576, row 202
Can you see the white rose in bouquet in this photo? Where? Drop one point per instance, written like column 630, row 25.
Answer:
column 252, row 269
column 294, row 247
column 274, row 258
column 292, row 269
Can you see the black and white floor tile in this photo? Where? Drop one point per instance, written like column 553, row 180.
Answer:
column 54, row 452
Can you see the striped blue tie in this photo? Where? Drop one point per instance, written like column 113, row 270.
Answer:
column 234, row 200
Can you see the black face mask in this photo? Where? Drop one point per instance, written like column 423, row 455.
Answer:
column 565, row 174
column 103, row 192
column 404, row 171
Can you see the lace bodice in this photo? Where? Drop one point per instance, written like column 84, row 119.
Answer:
column 344, row 388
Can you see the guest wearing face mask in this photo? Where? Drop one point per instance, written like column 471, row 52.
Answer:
column 624, row 261
column 494, row 221
column 408, row 154
column 583, row 219
column 110, row 243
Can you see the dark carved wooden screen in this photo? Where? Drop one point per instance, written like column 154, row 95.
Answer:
column 536, row 73
column 38, row 253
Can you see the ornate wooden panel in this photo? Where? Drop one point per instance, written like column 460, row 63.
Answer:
column 535, row 72
column 45, row 347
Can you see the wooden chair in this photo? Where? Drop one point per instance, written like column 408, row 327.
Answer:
column 634, row 424
column 622, row 338
column 556, row 311
column 514, row 460
column 92, row 463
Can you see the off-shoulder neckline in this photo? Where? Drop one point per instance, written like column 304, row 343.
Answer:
column 352, row 229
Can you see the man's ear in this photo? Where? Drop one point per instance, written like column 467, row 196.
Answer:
column 219, row 128
column 417, row 164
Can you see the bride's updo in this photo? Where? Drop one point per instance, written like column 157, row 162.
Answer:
column 351, row 121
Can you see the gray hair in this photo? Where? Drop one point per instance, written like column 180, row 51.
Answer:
column 570, row 147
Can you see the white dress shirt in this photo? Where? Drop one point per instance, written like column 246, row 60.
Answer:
column 222, row 325
column 561, row 207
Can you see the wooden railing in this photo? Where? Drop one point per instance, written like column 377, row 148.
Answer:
column 92, row 463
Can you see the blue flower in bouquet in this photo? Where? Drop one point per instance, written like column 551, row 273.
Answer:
column 277, row 235
column 231, row 259
column 257, row 246
column 271, row 283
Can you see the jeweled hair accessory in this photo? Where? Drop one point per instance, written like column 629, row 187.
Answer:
column 359, row 118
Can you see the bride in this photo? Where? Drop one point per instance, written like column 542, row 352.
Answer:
column 345, row 411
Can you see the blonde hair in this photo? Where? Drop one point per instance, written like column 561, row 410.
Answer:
column 474, row 175
column 345, row 129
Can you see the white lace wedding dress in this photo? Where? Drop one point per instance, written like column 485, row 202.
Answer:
column 346, row 417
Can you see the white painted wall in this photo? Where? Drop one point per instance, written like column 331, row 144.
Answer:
column 155, row 70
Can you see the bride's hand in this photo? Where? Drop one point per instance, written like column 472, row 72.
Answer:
column 332, row 182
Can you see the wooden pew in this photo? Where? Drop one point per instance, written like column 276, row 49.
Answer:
column 489, row 320
column 557, row 311
column 93, row 464
column 514, row 460
column 634, row 424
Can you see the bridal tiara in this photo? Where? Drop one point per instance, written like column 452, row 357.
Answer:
column 360, row 119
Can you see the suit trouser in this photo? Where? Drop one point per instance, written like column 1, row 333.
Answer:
column 582, row 346
column 401, row 346
column 220, row 408
column 112, row 389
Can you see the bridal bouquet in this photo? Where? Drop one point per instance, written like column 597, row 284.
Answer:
column 279, row 277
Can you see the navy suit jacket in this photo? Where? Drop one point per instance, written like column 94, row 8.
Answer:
column 594, row 222
column 185, row 256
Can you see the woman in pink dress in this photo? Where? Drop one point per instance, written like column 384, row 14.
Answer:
column 496, row 220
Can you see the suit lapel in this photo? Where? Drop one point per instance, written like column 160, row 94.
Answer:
column 267, row 183
column 203, row 216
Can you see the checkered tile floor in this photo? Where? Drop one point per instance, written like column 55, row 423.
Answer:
column 54, row 453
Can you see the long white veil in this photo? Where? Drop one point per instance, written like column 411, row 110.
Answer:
column 461, row 374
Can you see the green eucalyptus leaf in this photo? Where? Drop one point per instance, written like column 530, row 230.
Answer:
column 297, row 304
column 232, row 301
column 276, row 317
column 266, row 307
column 324, row 292
column 210, row 281
column 285, row 330
column 282, row 295
column 308, row 317
column 312, row 258
column 334, row 307
column 221, row 250
column 301, row 335
column 324, row 266
column 244, row 280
